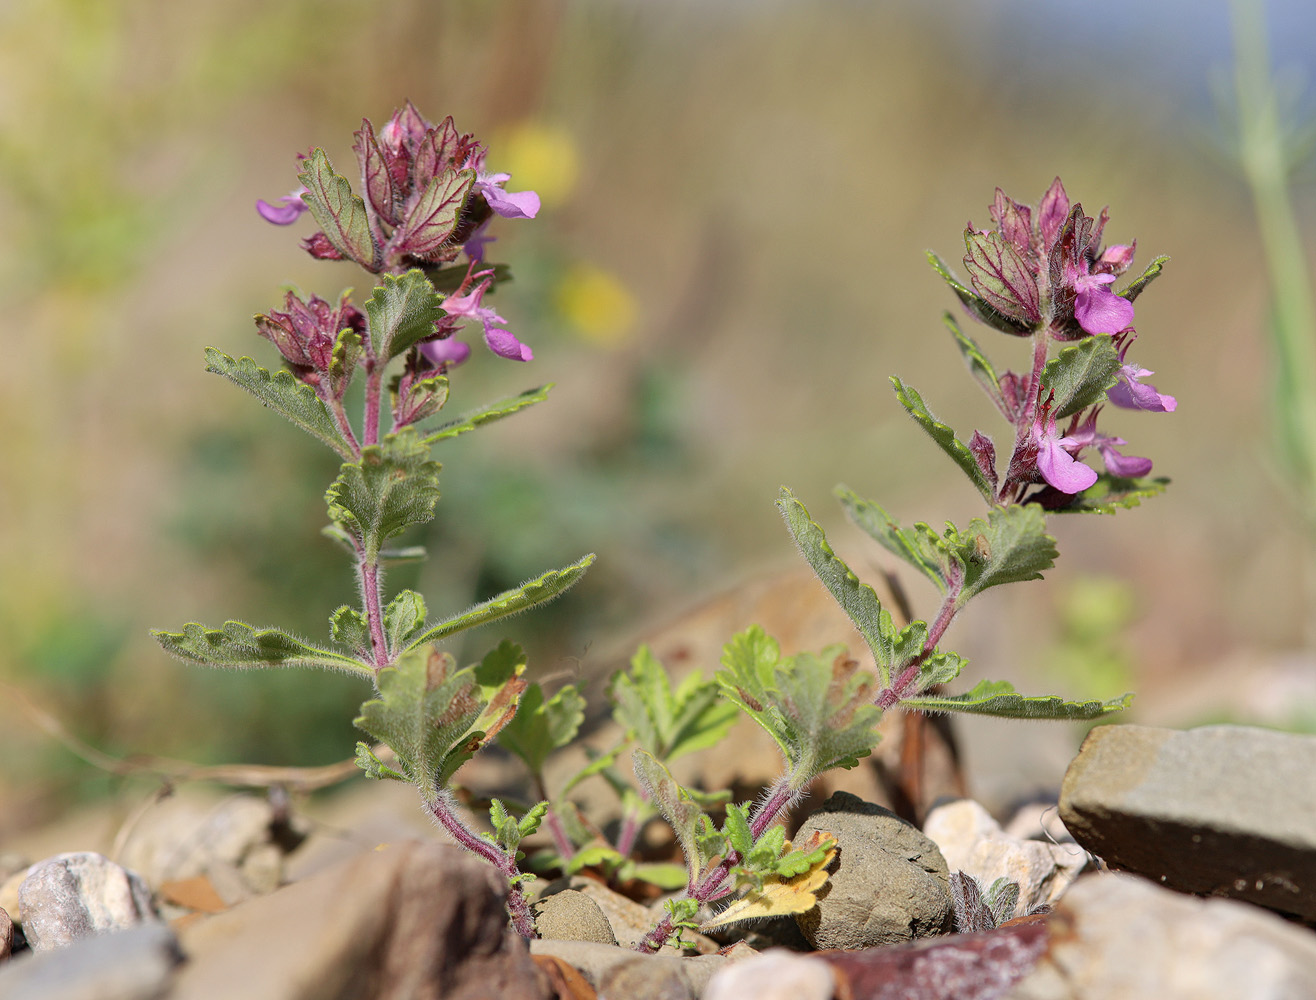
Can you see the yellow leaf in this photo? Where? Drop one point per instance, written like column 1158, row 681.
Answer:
column 778, row 897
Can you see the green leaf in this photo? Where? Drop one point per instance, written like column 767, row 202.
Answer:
column 343, row 362
column 1009, row 547
column 237, row 644
column 977, row 306
column 541, row 727
column 404, row 615
column 816, row 708
column 449, row 279
column 542, row 588
column 283, row 394
column 337, row 211
column 402, row 311
column 393, row 486
column 530, row 821
column 1080, row 375
column 1110, row 493
column 373, row 766
column 599, row 764
column 682, row 813
column 921, row 547
column 598, row 855
column 737, row 830
column 1146, row 278
column 660, row 873
column 667, row 723
column 944, row 437
column 1000, row 699
column 487, row 414
column 434, row 217
column 940, row 668
column 979, row 366
column 348, row 627
column 857, row 600
column 435, row 717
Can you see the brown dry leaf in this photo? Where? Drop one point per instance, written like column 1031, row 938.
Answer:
column 567, row 982
column 778, row 897
column 195, row 893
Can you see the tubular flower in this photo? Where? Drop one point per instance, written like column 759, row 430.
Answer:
column 470, row 305
column 1055, row 458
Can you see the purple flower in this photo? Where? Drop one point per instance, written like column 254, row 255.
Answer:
column 1117, row 464
column 1097, row 308
column 470, row 306
column 285, row 211
column 1056, row 463
column 1130, row 393
column 450, row 352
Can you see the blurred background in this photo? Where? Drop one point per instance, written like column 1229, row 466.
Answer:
column 730, row 261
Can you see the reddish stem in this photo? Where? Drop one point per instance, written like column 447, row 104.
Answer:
column 373, row 599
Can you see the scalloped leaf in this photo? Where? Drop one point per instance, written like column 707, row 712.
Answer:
column 369, row 761
column 402, row 310
column 348, row 627
column 1001, row 277
column 393, row 486
column 921, row 547
column 403, row 617
column 1146, row 278
column 1011, row 546
column 979, row 367
column 1110, row 494
column 434, row 217
column 857, row 599
column 540, row 726
column 487, row 414
column 542, row 588
column 339, row 212
column 1080, row 374
column 667, row 723
column 283, row 394
column 237, row 644
column 978, row 307
column 781, row 894
column 999, row 698
column 945, row 438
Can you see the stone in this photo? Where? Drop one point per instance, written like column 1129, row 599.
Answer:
column 6, row 935
column 1219, row 810
column 570, row 915
column 597, row 962
column 973, row 842
column 774, row 975
column 133, row 964
column 629, row 920
column 1120, row 937
column 72, row 896
column 890, row 883
column 641, row 980
column 409, row 921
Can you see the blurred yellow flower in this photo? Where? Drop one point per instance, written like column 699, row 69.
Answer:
column 541, row 158
column 598, row 306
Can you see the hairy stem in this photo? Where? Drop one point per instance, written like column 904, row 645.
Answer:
column 630, row 829
column 374, row 383
column 561, row 842
column 1010, row 487
column 518, row 907
column 373, row 599
column 903, row 685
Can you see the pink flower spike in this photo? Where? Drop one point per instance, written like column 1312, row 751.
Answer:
column 448, row 352
column 287, row 209
column 1131, row 394
column 1099, row 310
column 510, row 205
column 1057, row 466
column 1124, row 466
column 505, row 345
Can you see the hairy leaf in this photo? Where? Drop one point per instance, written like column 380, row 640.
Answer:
column 1009, row 547
column 687, row 820
column 283, row 394
column 237, row 644
column 404, row 615
column 540, row 726
column 348, row 627
column 999, row 698
column 1001, row 276
column 781, row 893
column 857, row 599
column 402, row 311
column 542, row 588
column 1110, row 494
column 393, row 486
column 340, row 213
column 1080, row 374
column 434, row 217
column 487, row 414
column 921, row 547
column 944, row 437
column 1146, row 278
column 368, row 761
column 667, row 723
column 978, row 307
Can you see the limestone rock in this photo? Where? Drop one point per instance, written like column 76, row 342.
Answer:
column 890, row 883
column 6, row 935
column 1119, row 937
column 974, row 843
column 72, row 896
column 629, row 920
column 598, row 962
column 1220, row 810
column 570, row 915
column 134, row 964
column 774, row 975
column 411, row 922
column 641, row 980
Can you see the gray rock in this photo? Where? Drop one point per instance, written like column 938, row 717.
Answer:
column 135, row 964
column 570, row 915
column 890, row 884
column 1220, row 810
column 1118, row 937
column 629, row 920
column 774, row 975
column 974, row 843
column 641, row 980
column 6, row 935
column 596, row 962
column 411, row 922
column 72, row 896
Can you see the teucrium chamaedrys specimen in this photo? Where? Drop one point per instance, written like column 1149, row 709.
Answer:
column 418, row 224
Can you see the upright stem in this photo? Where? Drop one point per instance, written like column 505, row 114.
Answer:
column 374, row 383
column 900, row 688
column 1028, row 416
column 372, row 598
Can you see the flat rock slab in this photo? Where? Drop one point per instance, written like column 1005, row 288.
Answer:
column 133, row 964
column 410, row 922
column 1220, row 810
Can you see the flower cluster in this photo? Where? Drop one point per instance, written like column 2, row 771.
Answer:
column 428, row 200
column 1043, row 273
